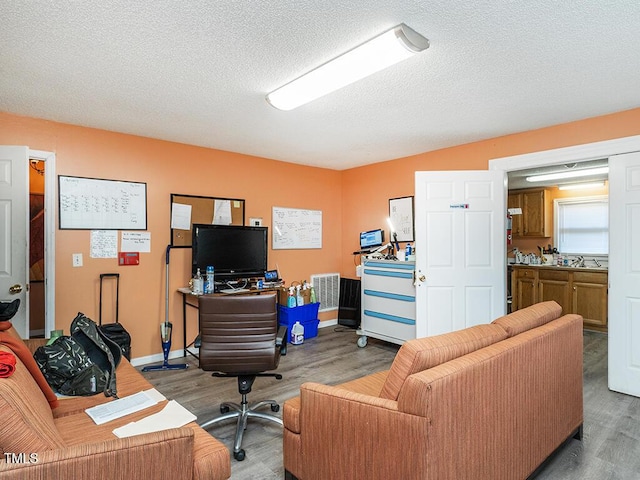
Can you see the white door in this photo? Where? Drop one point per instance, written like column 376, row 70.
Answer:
column 624, row 273
column 460, row 220
column 14, row 190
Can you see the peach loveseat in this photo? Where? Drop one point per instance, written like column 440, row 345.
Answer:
column 38, row 442
column 488, row 402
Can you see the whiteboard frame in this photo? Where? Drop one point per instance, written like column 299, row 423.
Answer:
column 297, row 244
column 65, row 219
column 401, row 215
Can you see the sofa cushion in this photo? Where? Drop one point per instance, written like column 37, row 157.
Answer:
column 529, row 317
column 26, row 421
column 423, row 353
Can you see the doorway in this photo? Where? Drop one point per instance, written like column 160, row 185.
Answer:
column 37, row 271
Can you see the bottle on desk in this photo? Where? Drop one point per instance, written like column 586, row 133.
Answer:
column 197, row 284
column 209, row 284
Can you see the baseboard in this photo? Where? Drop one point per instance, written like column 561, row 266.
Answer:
column 159, row 357
column 328, row 323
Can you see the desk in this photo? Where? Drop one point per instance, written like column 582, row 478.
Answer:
column 188, row 295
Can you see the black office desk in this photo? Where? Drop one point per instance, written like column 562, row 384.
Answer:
column 188, row 295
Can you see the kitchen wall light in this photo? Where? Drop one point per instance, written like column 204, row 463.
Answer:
column 388, row 48
column 581, row 186
column 571, row 174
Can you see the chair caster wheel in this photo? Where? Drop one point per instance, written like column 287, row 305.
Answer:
column 224, row 409
column 275, row 407
column 239, row 455
column 362, row 341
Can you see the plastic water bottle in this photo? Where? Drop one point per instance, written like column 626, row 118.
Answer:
column 197, row 283
column 209, row 282
column 407, row 251
column 297, row 334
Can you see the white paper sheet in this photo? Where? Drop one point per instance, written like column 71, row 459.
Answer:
column 104, row 244
column 221, row 212
column 180, row 216
column 124, row 406
column 173, row 415
column 135, row 242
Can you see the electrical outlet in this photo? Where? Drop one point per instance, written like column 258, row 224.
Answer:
column 77, row 259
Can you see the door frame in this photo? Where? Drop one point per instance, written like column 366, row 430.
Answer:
column 49, row 235
column 589, row 151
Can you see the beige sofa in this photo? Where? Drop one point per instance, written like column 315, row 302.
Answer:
column 488, row 402
column 38, row 442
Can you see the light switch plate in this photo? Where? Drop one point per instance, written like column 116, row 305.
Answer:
column 77, row 259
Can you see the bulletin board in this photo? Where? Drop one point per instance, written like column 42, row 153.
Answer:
column 295, row 228
column 199, row 209
column 98, row 204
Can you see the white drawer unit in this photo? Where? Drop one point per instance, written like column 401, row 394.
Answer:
column 388, row 301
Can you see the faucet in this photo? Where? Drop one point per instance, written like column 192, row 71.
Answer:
column 598, row 264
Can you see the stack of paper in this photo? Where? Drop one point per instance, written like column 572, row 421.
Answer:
column 124, row 406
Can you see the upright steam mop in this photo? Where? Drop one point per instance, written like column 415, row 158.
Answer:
column 165, row 331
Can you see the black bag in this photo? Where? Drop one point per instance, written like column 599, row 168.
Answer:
column 115, row 331
column 83, row 363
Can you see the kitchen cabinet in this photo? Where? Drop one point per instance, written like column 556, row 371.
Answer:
column 537, row 214
column 581, row 291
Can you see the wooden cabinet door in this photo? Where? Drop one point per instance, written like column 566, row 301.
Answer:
column 514, row 200
column 554, row 285
column 526, row 291
column 590, row 292
column 536, row 213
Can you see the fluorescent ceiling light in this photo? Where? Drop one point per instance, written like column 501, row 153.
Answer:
column 388, row 48
column 581, row 186
column 570, row 174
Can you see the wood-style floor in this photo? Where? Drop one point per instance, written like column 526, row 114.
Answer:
column 609, row 450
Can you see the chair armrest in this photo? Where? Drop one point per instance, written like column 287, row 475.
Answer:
column 159, row 455
column 281, row 339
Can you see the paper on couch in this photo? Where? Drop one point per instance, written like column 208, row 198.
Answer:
column 173, row 415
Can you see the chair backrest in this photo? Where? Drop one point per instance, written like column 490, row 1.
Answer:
column 238, row 333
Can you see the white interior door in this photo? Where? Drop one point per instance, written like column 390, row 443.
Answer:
column 14, row 188
column 624, row 273
column 460, row 220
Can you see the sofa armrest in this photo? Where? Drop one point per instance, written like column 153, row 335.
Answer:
column 368, row 435
column 159, row 455
column 33, row 343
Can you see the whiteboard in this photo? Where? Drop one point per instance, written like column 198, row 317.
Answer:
column 295, row 228
column 94, row 204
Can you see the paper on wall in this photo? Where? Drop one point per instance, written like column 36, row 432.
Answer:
column 135, row 242
column 180, row 216
column 221, row 212
column 104, row 244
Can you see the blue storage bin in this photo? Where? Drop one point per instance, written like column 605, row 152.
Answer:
column 307, row 315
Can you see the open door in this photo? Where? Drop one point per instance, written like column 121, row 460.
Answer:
column 460, row 221
column 13, row 234
column 624, row 273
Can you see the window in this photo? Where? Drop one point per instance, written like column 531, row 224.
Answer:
column 582, row 225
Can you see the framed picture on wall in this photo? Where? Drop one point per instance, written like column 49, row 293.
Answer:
column 401, row 216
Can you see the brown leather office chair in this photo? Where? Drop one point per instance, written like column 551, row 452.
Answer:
column 240, row 337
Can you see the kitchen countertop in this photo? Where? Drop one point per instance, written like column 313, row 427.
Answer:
column 559, row 267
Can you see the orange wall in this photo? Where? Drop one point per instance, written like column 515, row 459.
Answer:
column 351, row 201
column 367, row 190
column 171, row 168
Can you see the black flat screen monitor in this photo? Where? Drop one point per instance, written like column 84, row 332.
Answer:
column 371, row 239
column 236, row 252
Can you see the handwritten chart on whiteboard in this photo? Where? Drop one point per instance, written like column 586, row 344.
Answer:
column 94, row 204
column 295, row 228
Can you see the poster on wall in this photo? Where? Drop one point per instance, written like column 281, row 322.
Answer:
column 98, row 204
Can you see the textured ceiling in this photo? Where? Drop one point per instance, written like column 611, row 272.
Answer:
column 197, row 72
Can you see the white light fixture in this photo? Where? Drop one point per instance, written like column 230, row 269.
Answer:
column 388, row 48
column 571, row 174
column 581, row 186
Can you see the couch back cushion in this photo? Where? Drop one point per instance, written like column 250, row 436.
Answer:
column 529, row 317
column 26, row 421
column 423, row 353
